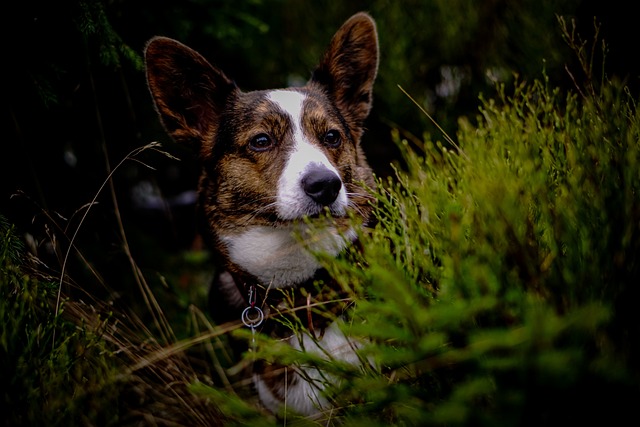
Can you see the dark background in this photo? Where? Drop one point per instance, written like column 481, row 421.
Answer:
column 75, row 100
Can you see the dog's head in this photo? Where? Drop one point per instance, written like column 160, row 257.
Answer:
column 270, row 158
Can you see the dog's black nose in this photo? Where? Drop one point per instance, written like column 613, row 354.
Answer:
column 322, row 185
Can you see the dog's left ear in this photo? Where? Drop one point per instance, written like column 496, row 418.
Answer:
column 349, row 67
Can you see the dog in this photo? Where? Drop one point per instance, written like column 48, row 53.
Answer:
column 274, row 165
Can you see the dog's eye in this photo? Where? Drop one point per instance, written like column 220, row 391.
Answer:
column 332, row 138
column 261, row 142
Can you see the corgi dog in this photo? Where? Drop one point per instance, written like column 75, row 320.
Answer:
column 273, row 164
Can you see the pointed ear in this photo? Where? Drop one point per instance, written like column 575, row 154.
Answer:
column 349, row 66
column 189, row 94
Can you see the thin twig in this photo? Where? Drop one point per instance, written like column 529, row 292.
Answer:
column 446, row 136
column 131, row 154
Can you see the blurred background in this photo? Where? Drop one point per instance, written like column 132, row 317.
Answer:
column 75, row 100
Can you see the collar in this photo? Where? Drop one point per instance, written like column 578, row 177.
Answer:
column 312, row 305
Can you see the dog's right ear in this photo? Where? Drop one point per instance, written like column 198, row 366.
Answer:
column 187, row 91
column 349, row 67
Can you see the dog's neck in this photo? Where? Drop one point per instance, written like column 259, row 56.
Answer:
column 302, row 278
column 283, row 257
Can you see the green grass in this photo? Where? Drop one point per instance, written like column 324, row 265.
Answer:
column 499, row 287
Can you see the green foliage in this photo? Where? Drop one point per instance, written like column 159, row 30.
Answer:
column 54, row 372
column 87, row 363
column 11, row 247
column 237, row 410
column 446, row 52
column 501, row 278
column 530, row 236
column 92, row 22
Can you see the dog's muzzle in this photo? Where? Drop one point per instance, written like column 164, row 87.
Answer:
column 322, row 185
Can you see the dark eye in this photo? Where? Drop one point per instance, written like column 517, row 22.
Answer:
column 261, row 142
column 332, row 138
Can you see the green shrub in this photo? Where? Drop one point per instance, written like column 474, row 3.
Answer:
column 503, row 276
column 500, row 281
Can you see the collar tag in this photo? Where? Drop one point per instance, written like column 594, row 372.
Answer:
column 252, row 315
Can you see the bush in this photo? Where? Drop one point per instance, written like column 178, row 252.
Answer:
column 503, row 274
column 501, row 278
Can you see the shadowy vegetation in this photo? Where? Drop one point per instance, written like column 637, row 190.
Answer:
column 497, row 288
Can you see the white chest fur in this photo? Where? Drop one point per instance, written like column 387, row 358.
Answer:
column 306, row 397
column 282, row 257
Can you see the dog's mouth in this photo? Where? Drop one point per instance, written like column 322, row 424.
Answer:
column 324, row 214
column 310, row 210
column 316, row 215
